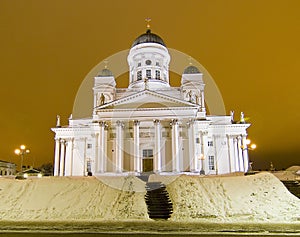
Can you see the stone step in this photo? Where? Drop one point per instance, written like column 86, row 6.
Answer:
column 158, row 201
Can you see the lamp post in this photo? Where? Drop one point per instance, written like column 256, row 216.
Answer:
column 249, row 146
column 21, row 152
column 201, row 158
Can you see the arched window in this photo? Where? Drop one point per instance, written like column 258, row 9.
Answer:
column 148, row 74
column 157, row 74
column 139, row 75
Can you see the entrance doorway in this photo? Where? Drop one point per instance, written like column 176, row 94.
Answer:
column 147, row 160
column 147, row 165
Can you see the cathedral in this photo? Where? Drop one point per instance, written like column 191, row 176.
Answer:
column 150, row 126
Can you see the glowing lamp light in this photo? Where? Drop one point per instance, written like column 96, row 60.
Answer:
column 253, row 146
column 17, row 151
column 21, row 152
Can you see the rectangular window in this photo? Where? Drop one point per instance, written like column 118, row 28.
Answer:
column 139, row 64
column 157, row 74
column 89, row 146
column 139, row 75
column 147, row 153
column 148, row 74
column 157, row 64
column 211, row 162
column 198, row 140
column 210, row 143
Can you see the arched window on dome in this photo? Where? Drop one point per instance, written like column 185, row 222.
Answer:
column 157, row 74
column 148, row 74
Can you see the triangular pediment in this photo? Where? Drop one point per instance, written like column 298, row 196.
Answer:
column 147, row 99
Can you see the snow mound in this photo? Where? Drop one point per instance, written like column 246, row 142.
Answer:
column 294, row 168
column 71, row 198
column 256, row 198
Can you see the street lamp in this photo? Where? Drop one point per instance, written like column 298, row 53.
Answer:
column 202, row 172
column 249, row 146
column 21, row 152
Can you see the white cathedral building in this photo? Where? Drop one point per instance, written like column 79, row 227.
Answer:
column 150, row 126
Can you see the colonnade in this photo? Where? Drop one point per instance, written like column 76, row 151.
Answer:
column 157, row 156
column 236, row 152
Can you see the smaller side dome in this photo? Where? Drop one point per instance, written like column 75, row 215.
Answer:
column 105, row 73
column 191, row 70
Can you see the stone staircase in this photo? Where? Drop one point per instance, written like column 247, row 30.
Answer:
column 293, row 186
column 158, row 201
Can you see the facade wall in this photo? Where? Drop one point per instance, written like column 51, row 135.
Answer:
column 198, row 149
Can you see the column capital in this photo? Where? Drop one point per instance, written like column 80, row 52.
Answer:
column 120, row 123
column 102, row 124
column 156, row 121
column 136, row 122
column 190, row 122
column 174, row 122
column 69, row 139
column 204, row 133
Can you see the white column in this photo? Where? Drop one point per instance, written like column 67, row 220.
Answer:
column 101, row 149
column 175, row 146
column 119, row 147
column 216, row 153
column 136, row 146
column 97, row 151
column 105, row 147
column 236, row 154
column 230, row 156
column 157, row 153
column 192, row 141
column 245, row 153
column 85, row 157
column 62, row 158
column 202, row 101
column 69, row 157
column 202, row 169
column 240, row 153
column 56, row 157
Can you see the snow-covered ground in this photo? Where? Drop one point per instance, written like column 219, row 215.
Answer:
column 292, row 173
column 231, row 199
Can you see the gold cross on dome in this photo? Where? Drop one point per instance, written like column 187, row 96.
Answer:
column 148, row 22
